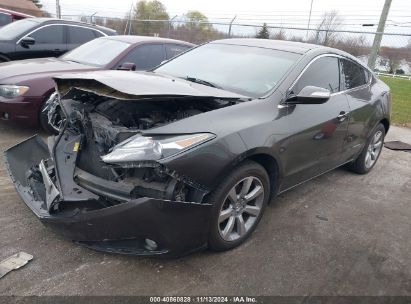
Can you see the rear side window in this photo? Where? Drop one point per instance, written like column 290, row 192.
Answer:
column 80, row 35
column 323, row 72
column 146, row 57
column 173, row 50
column 53, row 34
column 353, row 75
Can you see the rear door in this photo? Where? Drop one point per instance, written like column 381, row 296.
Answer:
column 77, row 35
column 50, row 41
column 318, row 130
column 356, row 81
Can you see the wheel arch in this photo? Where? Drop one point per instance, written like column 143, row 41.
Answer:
column 264, row 158
column 386, row 123
column 2, row 56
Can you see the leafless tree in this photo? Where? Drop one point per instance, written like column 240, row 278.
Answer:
column 325, row 32
column 356, row 46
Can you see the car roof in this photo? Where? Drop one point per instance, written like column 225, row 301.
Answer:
column 61, row 21
column 138, row 39
column 281, row 45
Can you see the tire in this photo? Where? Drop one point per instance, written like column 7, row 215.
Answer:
column 44, row 121
column 370, row 153
column 229, row 212
column 3, row 59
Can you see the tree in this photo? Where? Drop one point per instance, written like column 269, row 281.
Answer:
column 264, row 33
column 393, row 57
column 197, row 20
column 325, row 32
column 149, row 10
column 195, row 29
column 356, row 46
column 37, row 3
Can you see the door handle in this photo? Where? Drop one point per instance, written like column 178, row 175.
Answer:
column 342, row 116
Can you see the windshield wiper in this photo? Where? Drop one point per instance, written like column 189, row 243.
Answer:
column 201, row 81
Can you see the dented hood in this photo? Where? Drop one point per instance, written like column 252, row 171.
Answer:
column 138, row 85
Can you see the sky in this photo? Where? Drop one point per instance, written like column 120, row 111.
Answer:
column 291, row 13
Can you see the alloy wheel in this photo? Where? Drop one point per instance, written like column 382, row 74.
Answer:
column 374, row 149
column 241, row 208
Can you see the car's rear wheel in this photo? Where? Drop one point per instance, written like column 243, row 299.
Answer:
column 370, row 153
column 238, row 205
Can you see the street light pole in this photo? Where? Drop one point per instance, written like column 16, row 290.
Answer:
column 378, row 36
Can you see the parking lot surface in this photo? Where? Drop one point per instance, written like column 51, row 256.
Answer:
column 339, row 234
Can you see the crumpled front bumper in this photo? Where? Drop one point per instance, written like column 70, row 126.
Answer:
column 177, row 228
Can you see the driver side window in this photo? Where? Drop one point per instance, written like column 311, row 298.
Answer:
column 323, row 72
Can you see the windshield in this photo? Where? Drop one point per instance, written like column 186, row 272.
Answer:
column 250, row 71
column 98, row 52
column 15, row 29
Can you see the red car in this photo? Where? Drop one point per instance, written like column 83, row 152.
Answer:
column 8, row 16
column 25, row 85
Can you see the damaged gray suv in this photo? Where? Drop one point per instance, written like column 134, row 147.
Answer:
column 188, row 155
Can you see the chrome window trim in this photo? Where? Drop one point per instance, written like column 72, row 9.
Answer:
column 62, row 24
column 336, row 56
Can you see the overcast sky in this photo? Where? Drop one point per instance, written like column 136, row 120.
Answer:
column 293, row 13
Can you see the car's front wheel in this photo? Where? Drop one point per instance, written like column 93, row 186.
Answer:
column 370, row 153
column 238, row 205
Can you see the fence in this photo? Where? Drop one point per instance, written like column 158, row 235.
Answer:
column 394, row 55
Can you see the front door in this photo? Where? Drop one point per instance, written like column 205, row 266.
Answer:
column 50, row 41
column 318, row 131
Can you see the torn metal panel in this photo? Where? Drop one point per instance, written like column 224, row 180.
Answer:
column 14, row 262
column 137, row 85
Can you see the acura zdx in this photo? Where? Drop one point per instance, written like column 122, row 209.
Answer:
column 188, row 155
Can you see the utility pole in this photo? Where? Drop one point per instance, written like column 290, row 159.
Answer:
column 309, row 20
column 378, row 36
column 58, row 9
column 231, row 24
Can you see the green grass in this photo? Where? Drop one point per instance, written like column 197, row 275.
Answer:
column 401, row 100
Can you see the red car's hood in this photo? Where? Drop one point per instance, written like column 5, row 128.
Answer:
column 23, row 68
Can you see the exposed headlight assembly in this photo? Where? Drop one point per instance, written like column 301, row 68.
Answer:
column 12, row 91
column 141, row 148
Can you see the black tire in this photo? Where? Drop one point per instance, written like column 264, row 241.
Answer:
column 3, row 59
column 359, row 165
column 220, row 196
column 44, row 121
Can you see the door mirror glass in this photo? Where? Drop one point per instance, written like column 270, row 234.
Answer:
column 26, row 41
column 127, row 66
column 310, row 95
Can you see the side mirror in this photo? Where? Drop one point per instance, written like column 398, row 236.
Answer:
column 310, row 95
column 26, row 41
column 127, row 66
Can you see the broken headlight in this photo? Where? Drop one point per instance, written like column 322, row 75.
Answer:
column 141, row 148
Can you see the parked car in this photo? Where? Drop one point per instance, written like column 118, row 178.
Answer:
column 26, row 85
column 189, row 155
column 45, row 37
column 9, row 16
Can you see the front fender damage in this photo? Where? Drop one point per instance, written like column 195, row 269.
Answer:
column 105, row 214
